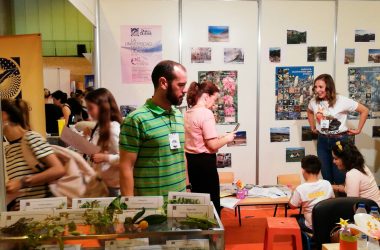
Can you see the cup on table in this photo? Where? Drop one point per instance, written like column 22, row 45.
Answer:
column 61, row 125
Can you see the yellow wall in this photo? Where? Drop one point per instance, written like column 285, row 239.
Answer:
column 28, row 49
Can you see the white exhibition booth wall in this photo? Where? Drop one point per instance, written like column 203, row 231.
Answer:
column 323, row 21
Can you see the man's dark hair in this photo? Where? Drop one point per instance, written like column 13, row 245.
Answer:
column 165, row 69
column 311, row 164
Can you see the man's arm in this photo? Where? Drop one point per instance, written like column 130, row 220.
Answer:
column 127, row 163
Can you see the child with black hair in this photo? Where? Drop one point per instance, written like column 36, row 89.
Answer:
column 360, row 182
column 308, row 194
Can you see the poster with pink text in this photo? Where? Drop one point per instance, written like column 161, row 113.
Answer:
column 141, row 50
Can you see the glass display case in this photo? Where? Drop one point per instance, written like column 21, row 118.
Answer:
column 171, row 230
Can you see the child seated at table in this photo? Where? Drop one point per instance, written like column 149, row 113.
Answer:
column 308, row 194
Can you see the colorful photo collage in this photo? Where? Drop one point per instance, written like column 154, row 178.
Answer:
column 226, row 111
column 294, row 90
column 364, row 87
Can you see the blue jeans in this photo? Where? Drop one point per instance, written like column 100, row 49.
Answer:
column 330, row 172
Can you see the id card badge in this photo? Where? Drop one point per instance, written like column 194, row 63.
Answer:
column 325, row 124
column 174, row 141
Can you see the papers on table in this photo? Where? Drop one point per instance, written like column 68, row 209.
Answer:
column 197, row 198
column 147, row 202
column 269, row 192
column 103, row 201
column 227, row 190
column 9, row 218
column 44, row 203
column 229, row 202
column 184, row 210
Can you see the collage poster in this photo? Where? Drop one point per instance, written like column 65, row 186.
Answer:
column 364, row 87
column 226, row 111
column 294, row 90
column 141, row 50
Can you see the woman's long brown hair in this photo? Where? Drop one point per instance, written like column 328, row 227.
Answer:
column 108, row 112
column 330, row 89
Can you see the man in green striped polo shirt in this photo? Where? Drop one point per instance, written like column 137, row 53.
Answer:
column 152, row 138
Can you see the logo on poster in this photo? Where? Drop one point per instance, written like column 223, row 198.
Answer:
column 135, row 31
column 142, row 32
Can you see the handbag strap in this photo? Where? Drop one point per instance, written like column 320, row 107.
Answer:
column 28, row 154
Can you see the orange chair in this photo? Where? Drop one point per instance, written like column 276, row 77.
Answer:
column 282, row 226
column 290, row 180
column 226, row 177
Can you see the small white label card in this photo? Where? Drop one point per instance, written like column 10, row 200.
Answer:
column 75, row 215
column 190, row 198
column 183, row 210
column 132, row 212
column 190, row 244
column 126, row 243
column 56, row 247
column 174, row 141
column 45, row 203
column 85, row 202
column 150, row 202
column 325, row 124
column 9, row 218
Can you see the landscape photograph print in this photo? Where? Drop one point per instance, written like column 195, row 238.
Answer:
column 364, row 36
column 296, row 37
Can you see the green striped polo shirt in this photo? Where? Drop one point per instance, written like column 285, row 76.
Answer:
column 158, row 169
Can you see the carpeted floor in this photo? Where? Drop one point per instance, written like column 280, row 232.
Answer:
column 250, row 236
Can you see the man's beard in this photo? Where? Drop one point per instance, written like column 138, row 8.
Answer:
column 174, row 100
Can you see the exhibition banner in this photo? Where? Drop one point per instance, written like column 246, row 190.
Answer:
column 21, row 74
column 141, row 50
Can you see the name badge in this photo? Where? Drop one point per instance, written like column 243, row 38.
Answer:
column 325, row 124
column 174, row 141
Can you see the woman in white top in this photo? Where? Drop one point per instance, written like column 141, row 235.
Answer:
column 102, row 108
column 327, row 115
column 360, row 182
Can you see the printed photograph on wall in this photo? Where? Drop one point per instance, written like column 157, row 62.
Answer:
column 296, row 37
column 226, row 111
column 240, row 139
column 293, row 90
column 375, row 131
column 295, row 154
column 317, row 54
column 280, row 134
column 374, row 55
column 233, row 55
column 10, row 77
column 275, row 54
column 223, row 160
column 307, row 134
column 141, row 50
column 218, row 33
column 364, row 36
column 349, row 56
column 364, row 87
column 201, row 55
column 126, row 109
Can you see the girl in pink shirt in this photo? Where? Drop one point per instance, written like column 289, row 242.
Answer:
column 202, row 141
column 360, row 182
